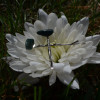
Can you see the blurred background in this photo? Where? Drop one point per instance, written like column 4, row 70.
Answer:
column 13, row 15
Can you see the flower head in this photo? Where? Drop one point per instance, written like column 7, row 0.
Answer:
column 36, row 63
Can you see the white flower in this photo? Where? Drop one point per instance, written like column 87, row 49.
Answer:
column 36, row 63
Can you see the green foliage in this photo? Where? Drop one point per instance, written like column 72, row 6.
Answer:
column 13, row 14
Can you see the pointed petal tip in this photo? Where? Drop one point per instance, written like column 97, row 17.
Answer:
column 75, row 85
column 52, row 81
column 7, row 35
column 85, row 19
column 40, row 10
column 50, row 84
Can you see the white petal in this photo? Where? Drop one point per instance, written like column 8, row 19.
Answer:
column 21, row 38
column 38, row 25
column 73, row 26
column 32, row 57
column 15, row 53
column 89, row 52
column 74, row 59
column 42, row 16
column 80, row 28
column 8, row 59
column 35, row 75
column 51, row 21
column 29, row 69
column 67, row 78
column 85, row 22
column 58, row 67
column 95, row 39
column 96, row 54
column 10, row 46
column 59, row 26
column 20, row 45
column 35, row 63
column 87, row 44
column 32, row 31
column 17, row 65
column 47, row 72
column 64, row 20
column 67, row 69
column 28, row 35
column 95, row 59
column 66, row 30
column 74, row 85
column 38, row 65
column 64, row 34
column 52, row 78
column 27, row 25
column 24, row 59
column 72, row 36
column 79, row 64
column 81, row 51
column 62, row 67
column 61, row 23
column 11, row 38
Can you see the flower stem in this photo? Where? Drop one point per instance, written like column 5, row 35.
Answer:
column 35, row 94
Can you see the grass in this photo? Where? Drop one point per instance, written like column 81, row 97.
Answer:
column 13, row 15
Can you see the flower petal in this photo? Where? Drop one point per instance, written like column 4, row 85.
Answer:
column 62, row 67
column 27, row 25
column 67, row 69
column 42, row 16
column 64, row 20
column 95, row 59
column 79, row 64
column 21, row 38
column 38, row 65
column 89, row 52
column 17, row 65
column 10, row 46
column 59, row 26
column 24, row 59
column 52, row 78
column 28, row 35
column 47, row 72
column 11, row 38
column 58, row 67
column 38, row 25
column 85, row 22
column 29, row 69
column 72, row 36
column 51, row 21
column 95, row 39
column 67, row 78
column 35, row 75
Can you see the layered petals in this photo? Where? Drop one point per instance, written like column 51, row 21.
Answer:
column 35, row 63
